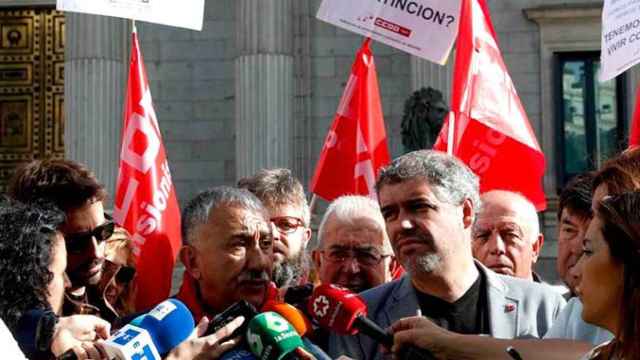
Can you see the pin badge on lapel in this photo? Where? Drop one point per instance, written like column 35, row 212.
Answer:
column 509, row 308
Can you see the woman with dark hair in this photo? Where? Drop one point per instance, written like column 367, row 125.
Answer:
column 33, row 259
column 609, row 275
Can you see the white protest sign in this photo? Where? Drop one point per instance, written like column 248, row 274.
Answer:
column 424, row 28
column 184, row 13
column 620, row 37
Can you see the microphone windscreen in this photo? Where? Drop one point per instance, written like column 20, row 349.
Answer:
column 336, row 308
column 169, row 324
column 271, row 337
column 290, row 313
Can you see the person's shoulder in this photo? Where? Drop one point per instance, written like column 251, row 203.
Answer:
column 528, row 289
column 382, row 291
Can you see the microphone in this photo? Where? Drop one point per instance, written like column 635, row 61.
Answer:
column 344, row 312
column 271, row 337
column 300, row 322
column 293, row 315
column 156, row 333
column 240, row 308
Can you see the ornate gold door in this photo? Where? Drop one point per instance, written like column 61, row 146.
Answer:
column 31, row 87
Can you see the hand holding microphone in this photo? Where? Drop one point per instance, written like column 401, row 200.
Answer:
column 271, row 337
column 344, row 312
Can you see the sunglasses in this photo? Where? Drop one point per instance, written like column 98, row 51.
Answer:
column 80, row 242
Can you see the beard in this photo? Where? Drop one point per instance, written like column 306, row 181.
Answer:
column 425, row 263
column 290, row 272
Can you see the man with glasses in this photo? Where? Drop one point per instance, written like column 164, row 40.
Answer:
column 353, row 248
column 283, row 196
column 74, row 189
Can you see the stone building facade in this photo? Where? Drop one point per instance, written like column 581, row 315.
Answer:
column 259, row 85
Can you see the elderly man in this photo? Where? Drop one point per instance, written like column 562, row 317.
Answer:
column 283, row 196
column 428, row 200
column 353, row 247
column 506, row 234
column 74, row 189
column 227, row 251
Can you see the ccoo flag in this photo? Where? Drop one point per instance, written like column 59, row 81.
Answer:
column 145, row 201
column 492, row 134
column 356, row 146
column 634, row 130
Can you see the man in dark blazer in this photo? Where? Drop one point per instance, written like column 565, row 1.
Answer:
column 429, row 200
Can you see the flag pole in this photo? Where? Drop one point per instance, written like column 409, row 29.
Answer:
column 133, row 26
column 450, row 132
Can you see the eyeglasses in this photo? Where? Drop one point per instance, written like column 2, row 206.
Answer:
column 287, row 224
column 370, row 257
column 80, row 242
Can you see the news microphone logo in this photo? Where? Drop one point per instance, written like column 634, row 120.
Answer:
column 132, row 343
column 271, row 337
column 321, row 306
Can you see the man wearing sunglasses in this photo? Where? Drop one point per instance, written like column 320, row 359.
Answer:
column 353, row 247
column 74, row 189
column 283, row 196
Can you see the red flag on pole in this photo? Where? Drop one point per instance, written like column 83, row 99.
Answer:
column 145, row 201
column 634, row 131
column 491, row 132
column 356, row 146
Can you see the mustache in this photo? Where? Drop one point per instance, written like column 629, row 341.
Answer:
column 254, row 275
column 416, row 233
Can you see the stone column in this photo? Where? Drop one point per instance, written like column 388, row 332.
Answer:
column 426, row 73
column 95, row 72
column 264, row 85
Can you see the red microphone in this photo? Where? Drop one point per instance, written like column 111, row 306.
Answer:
column 344, row 312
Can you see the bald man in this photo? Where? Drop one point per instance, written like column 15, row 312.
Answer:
column 506, row 234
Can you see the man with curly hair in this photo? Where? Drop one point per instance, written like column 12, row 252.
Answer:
column 74, row 189
column 33, row 282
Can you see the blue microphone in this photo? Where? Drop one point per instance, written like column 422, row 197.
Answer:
column 155, row 334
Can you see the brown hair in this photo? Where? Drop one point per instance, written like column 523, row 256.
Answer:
column 621, row 173
column 276, row 187
column 621, row 232
column 68, row 184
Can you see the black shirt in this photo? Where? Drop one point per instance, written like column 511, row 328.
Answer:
column 467, row 315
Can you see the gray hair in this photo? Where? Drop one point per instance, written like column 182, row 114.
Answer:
column 199, row 208
column 346, row 209
column 529, row 213
column 449, row 178
column 278, row 187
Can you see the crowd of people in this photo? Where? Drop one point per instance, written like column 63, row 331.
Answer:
column 441, row 267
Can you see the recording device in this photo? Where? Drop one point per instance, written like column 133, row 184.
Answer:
column 344, row 312
column 241, row 308
column 298, row 295
column 292, row 314
column 155, row 334
column 300, row 322
column 271, row 337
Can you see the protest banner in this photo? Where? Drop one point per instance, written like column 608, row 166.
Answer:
column 620, row 37
column 184, row 13
column 424, row 28
column 491, row 132
column 356, row 146
column 145, row 202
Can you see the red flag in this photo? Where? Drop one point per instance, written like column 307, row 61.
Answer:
column 145, row 201
column 634, row 131
column 492, row 133
column 356, row 146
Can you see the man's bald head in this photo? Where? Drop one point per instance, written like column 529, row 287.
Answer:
column 506, row 235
